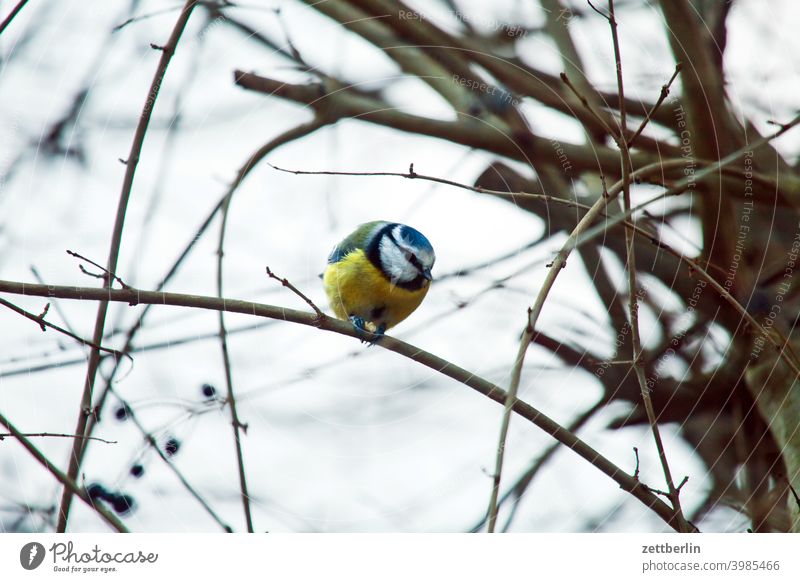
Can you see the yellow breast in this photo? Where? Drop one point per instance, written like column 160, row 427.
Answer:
column 357, row 287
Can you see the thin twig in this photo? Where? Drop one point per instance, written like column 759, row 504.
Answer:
column 151, row 440
column 794, row 494
column 521, row 486
column 656, row 105
column 280, row 140
column 106, row 273
column 500, row 457
column 611, row 362
column 132, row 162
column 166, row 162
column 65, row 480
column 491, row 391
column 600, row 12
column 681, row 186
column 44, row 324
column 142, row 17
column 636, row 470
column 226, row 360
column 588, row 106
column 140, row 349
column 411, row 175
column 12, row 15
column 633, row 287
column 663, row 166
column 286, row 283
column 665, row 494
column 55, row 434
column 56, row 304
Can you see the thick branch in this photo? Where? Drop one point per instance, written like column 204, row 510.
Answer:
column 336, row 99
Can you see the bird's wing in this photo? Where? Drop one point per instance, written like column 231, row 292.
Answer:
column 341, row 250
column 358, row 239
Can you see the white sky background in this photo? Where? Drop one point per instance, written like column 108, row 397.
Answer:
column 368, row 441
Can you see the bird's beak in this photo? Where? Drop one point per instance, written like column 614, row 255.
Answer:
column 427, row 274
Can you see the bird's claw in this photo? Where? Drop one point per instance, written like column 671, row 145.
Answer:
column 378, row 335
column 364, row 334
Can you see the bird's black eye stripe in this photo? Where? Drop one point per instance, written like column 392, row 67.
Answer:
column 410, row 257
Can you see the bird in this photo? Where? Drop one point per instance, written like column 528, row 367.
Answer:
column 378, row 275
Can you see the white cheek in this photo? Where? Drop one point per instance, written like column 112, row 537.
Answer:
column 395, row 263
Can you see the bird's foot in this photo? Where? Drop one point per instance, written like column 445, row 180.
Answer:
column 366, row 335
column 361, row 328
column 378, row 334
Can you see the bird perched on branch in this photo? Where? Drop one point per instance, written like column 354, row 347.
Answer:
column 378, row 275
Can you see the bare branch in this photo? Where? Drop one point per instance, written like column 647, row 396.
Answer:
column 11, row 15
column 44, row 324
column 65, row 480
column 633, row 287
column 347, row 102
column 585, row 102
column 282, row 139
column 286, row 283
column 113, row 255
column 656, row 105
column 236, row 423
column 106, row 273
column 55, row 434
column 491, row 391
column 151, row 440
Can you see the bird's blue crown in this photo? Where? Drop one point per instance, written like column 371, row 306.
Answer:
column 416, row 239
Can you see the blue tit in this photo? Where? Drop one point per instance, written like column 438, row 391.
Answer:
column 378, row 275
